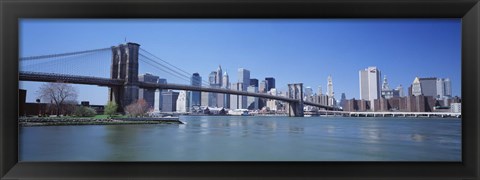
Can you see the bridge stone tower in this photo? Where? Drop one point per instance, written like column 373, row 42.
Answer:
column 124, row 66
column 295, row 91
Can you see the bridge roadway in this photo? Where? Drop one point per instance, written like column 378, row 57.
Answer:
column 89, row 80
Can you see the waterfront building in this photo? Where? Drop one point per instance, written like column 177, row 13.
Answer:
column 195, row 97
column 169, row 101
column 270, row 81
column 456, row 107
column 183, row 102
column 252, row 102
column 147, row 94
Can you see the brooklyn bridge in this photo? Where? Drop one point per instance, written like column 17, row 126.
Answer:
column 122, row 80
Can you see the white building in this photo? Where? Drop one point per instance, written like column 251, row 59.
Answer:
column 369, row 84
column 416, row 87
column 183, row 101
column 456, row 107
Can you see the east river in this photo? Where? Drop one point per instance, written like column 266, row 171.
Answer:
column 254, row 138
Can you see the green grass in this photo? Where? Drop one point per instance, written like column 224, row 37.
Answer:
column 103, row 116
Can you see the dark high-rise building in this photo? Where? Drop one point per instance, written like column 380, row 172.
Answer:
column 147, row 94
column 169, row 101
column 195, row 98
column 254, row 82
column 270, row 81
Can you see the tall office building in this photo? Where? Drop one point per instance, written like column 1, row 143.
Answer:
column 195, row 97
column 218, row 76
column 369, row 83
column 444, row 88
column 308, row 92
column 237, row 101
column 262, row 86
column 244, row 78
column 270, row 83
column 159, row 97
column 254, row 82
column 330, row 87
column 428, row 86
column 147, row 94
column 169, row 101
column 252, row 102
column 400, row 91
column 226, row 85
column 416, row 87
column 320, row 92
column 385, row 83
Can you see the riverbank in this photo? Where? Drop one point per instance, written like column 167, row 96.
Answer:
column 70, row 121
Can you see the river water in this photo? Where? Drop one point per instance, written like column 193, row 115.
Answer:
column 259, row 138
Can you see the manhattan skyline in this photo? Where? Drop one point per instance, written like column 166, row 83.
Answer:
column 305, row 51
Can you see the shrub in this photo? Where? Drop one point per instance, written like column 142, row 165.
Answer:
column 138, row 108
column 110, row 109
column 83, row 111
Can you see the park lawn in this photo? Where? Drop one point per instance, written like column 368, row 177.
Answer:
column 103, row 116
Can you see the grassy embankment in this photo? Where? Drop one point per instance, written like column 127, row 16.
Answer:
column 95, row 120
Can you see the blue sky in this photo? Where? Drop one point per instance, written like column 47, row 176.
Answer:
column 289, row 50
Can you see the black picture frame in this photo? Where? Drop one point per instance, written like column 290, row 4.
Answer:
column 11, row 11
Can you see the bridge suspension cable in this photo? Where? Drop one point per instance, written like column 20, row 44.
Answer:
column 206, row 83
column 62, row 54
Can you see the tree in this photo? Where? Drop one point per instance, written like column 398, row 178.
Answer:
column 110, row 108
column 137, row 108
column 57, row 94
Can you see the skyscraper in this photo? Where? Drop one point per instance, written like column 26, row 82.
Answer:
column 218, row 76
column 429, row 86
column 244, row 78
column 320, row 92
column 147, row 94
column 262, row 86
column 254, row 82
column 416, row 87
column 236, row 101
column 252, row 102
column 169, row 101
column 308, row 92
column 330, row 87
column 270, row 83
column 195, row 98
column 226, row 85
column 369, row 83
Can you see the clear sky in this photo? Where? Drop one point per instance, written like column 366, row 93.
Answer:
column 291, row 50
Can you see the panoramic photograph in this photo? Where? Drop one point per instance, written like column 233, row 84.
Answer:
column 378, row 90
